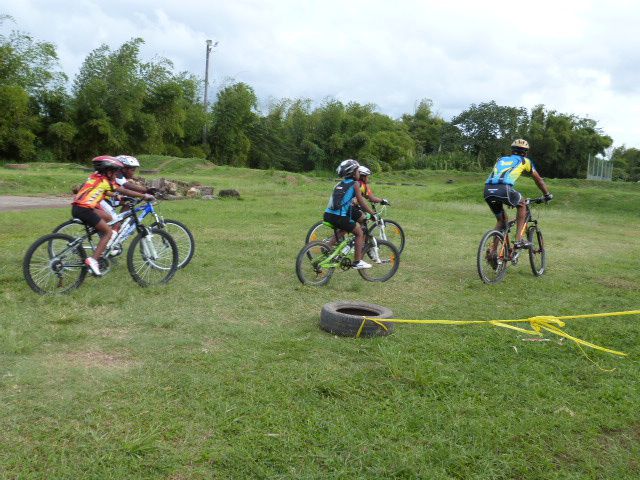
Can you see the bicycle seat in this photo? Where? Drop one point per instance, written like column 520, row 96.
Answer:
column 330, row 225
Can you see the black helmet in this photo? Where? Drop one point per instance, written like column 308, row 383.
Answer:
column 105, row 163
column 347, row 167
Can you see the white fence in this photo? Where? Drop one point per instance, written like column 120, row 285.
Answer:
column 599, row 169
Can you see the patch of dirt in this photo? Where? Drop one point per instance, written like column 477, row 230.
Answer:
column 98, row 359
column 618, row 283
column 13, row 203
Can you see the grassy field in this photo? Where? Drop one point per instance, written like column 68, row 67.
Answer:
column 224, row 372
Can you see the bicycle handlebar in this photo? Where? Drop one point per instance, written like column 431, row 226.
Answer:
column 537, row 200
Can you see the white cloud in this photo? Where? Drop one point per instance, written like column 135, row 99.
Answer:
column 573, row 56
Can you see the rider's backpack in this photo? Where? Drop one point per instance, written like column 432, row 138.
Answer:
column 337, row 200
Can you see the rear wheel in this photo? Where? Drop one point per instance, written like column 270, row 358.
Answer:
column 61, row 272
column 319, row 232
column 152, row 258
column 308, row 267
column 492, row 257
column 384, row 259
column 393, row 233
column 182, row 236
column 75, row 229
column 537, row 254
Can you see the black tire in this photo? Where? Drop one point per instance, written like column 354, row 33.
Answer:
column 393, row 232
column 492, row 261
column 182, row 236
column 319, row 232
column 148, row 271
column 384, row 265
column 345, row 318
column 537, row 253
column 307, row 269
column 75, row 228
column 48, row 274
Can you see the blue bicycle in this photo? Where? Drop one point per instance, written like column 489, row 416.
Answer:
column 181, row 234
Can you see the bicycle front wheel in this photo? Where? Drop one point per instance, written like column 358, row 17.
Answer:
column 537, row 254
column 384, row 258
column 182, row 236
column 393, row 233
column 492, row 257
column 152, row 258
column 61, row 272
column 308, row 268
column 319, row 232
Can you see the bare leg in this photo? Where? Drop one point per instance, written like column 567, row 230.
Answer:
column 103, row 228
column 359, row 234
column 522, row 213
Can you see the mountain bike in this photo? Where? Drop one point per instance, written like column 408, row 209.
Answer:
column 497, row 251
column 383, row 229
column 318, row 260
column 55, row 262
column 179, row 232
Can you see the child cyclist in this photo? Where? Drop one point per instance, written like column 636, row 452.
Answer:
column 338, row 212
column 365, row 189
column 123, row 179
column 85, row 205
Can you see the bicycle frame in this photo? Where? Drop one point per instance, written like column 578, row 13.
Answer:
column 347, row 241
column 528, row 222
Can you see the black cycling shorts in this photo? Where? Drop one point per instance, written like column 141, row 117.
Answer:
column 343, row 223
column 497, row 195
column 87, row 215
column 356, row 212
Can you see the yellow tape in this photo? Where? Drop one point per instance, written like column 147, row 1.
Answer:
column 538, row 324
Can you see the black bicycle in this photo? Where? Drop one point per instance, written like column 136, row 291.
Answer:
column 55, row 262
column 497, row 250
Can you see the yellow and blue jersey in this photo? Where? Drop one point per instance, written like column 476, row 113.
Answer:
column 507, row 170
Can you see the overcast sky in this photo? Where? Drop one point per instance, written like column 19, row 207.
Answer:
column 579, row 57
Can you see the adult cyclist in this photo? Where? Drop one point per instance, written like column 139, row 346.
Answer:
column 499, row 188
column 338, row 211
column 365, row 189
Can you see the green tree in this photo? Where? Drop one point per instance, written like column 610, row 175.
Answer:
column 234, row 116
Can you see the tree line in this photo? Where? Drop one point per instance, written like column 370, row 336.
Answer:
column 118, row 103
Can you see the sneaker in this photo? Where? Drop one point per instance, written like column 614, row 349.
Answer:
column 361, row 265
column 93, row 265
column 115, row 250
column 522, row 244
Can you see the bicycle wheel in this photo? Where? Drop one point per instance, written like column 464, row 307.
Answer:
column 492, row 257
column 182, row 236
column 152, row 258
column 75, row 229
column 319, row 231
column 307, row 268
column 537, row 254
column 393, row 233
column 49, row 274
column 384, row 262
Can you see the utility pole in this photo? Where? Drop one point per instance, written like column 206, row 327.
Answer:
column 210, row 45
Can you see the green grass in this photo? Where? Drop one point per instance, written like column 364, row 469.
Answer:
column 224, row 372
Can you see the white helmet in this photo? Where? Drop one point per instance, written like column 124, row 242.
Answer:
column 364, row 170
column 520, row 143
column 128, row 160
column 347, row 167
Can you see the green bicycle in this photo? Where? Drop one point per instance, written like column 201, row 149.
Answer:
column 318, row 260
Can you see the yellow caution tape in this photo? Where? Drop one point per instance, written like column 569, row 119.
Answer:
column 538, row 324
